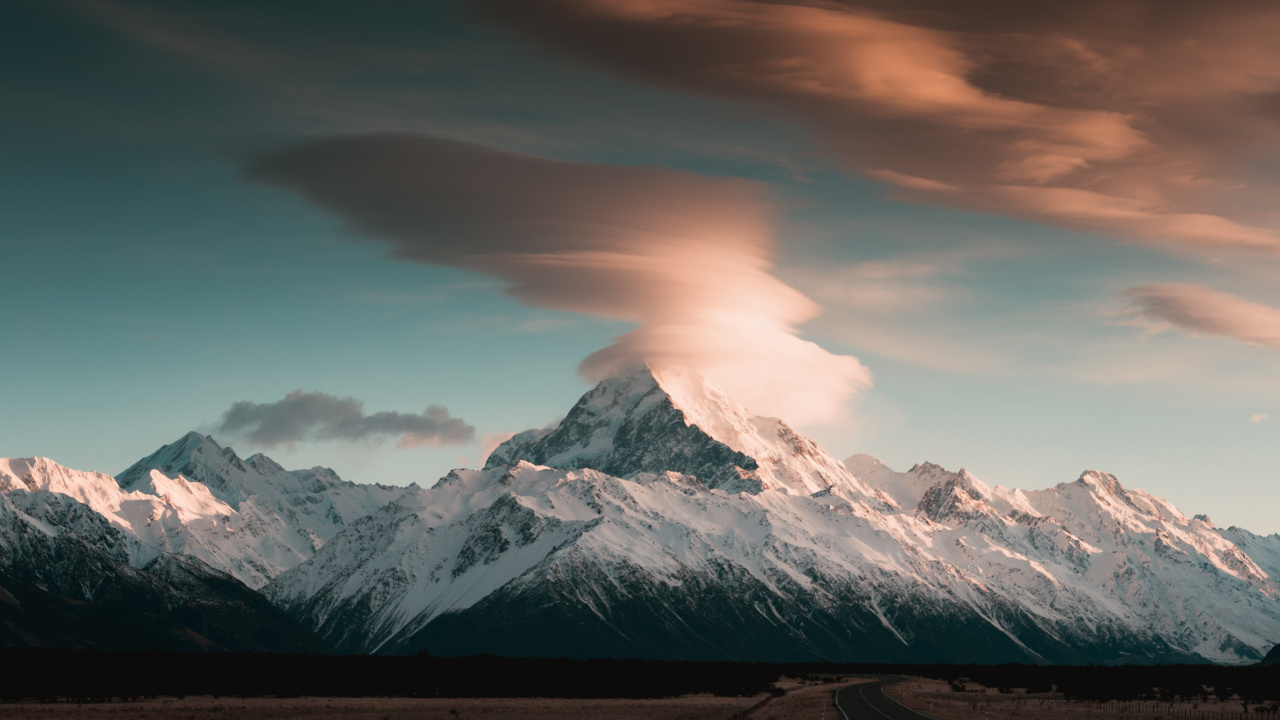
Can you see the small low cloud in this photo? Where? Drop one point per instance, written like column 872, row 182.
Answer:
column 1200, row 309
column 302, row 416
column 1258, row 417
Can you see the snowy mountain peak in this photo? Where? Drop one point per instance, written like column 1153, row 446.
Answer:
column 270, row 519
column 158, row 513
column 905, row 490
column 628, row 424
column 1104, row 482
column 35, row 473
column 191, row 440
column 862, row 465
column 960, row 497
column 651, row 420
column 197, row 457
column 264, row 464
column 709, row 408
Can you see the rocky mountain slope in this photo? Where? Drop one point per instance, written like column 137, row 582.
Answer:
column 157, row 559
column 659, row 519
column 250, row 518
column 1262, row 549
column 637, row 423
column 256, row 518
column 1123, row 554
column 1273, row 657
column 67, row 579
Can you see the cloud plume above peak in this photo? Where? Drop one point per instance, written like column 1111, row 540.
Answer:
column 686, row 257
column 302, row 416
column 1139, row 119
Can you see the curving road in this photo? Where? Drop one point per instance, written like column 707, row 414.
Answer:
column 868, row 701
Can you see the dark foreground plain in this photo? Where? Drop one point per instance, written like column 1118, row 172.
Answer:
column 937, row 699
column 804, row 698
column 42, row 683
column 60, row 675
column 817, row 697
column 701, row 707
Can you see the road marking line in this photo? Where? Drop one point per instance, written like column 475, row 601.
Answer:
column 863, row 694
column 842, row 712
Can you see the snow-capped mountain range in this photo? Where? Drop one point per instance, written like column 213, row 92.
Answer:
column 74, row 576
column 661, row 519
column 249, row 518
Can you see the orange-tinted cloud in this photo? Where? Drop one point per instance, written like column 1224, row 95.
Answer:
column 1199, row 309
column 687, row 257
column 1149, row 120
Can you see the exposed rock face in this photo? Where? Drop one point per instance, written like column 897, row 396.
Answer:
column 623, row 428
column 1273, row 657
column 671, row 421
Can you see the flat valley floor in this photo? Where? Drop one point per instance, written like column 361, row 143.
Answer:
column 803, row 700
column 206, row 708
column 936, row 699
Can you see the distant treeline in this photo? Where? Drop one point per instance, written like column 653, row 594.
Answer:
column 44, row 674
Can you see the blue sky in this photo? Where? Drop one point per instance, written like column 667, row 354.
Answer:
column 149, row 283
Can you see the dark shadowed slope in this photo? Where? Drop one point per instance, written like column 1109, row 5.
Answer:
column 65, row 581
column 1273, row 657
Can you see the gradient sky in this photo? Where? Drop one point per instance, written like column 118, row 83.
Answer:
column 1023, row 241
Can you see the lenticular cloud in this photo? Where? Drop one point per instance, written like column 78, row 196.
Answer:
column 687, row 257
column 1199, row 309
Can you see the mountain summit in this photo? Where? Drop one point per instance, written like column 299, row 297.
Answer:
column 274, row 518
column 648, row 421
column 196, row 457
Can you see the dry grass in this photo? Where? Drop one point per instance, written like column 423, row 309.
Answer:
column 811, row 701
column 804, row 700
column 807, row 700
column 936, row 698
column 204, row 708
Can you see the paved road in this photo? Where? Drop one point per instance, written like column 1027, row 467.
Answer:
column 868, row 701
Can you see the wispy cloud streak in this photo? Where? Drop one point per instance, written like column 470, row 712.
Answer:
column 1199, row 309
column 1140, row 119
